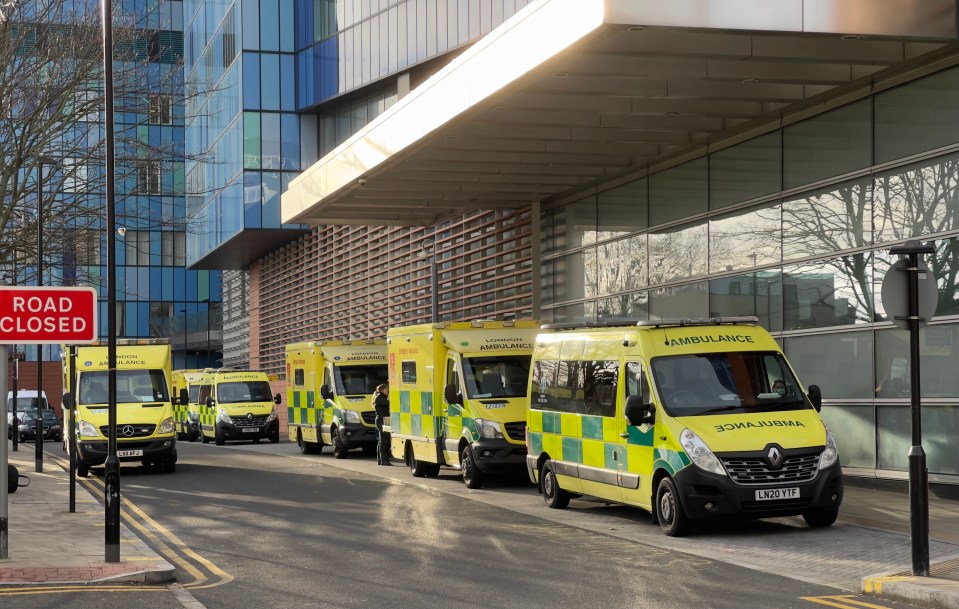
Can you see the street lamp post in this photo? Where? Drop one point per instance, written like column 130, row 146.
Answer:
column 428, row 253
column 38, row 442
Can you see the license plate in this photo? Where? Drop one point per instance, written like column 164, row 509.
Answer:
column 767, row 494
column 251, row 429
column 129, row 453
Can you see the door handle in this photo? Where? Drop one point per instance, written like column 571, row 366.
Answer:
column 624, row 435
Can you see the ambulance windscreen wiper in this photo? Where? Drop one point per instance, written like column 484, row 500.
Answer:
column 718, row 409
column 779, row 405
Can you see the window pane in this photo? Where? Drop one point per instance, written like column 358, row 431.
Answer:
column 251, row 140
column 834, row 292
column 270, row 81
column 918, row 199
column 623, row 265
column 583, row 312
column 678, row 192
column 918, row 116
column 840, row 363
column 677, row 253
column 626, row 307
column 745, row 171
column 939, row 359
column 745, row 239
column 623, row 210
column 690, row 301
column 855, row 429
column 574, row 276
column 828, row 145
column 574, row 225
column 758, row 294
column 938, row 435
column 825, row 221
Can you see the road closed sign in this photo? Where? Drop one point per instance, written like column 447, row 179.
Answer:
column 48, row 315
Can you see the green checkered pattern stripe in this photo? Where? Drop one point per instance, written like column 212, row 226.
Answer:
column 302, row 409
column 415, row 416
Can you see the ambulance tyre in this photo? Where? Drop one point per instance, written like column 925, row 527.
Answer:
column 275, row 435
column 217, row 436
column 555, row 497
column 203, row 437
column 822, row 518
column 419, row 469
column 83, row 470
column 339, row 451
column 307, row 448
column 472, row 476
column 669, row 510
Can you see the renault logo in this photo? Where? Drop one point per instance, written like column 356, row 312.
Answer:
column 128, row 430
column 775, row 457
column 249, row 417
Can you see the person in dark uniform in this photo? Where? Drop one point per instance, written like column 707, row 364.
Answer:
column 381, row 402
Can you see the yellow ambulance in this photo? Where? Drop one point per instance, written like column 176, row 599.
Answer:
column 186, row 391
column 330, row 385
column 458, row 396
column 146, row 431
column 235, row 405
column 689, row 419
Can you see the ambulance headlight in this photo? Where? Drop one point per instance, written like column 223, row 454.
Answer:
column 831, row 454
column 224, row 417
column 699, row 453
column 488, row 429
column 166, row 426
column 88, row 430
column 272, row 416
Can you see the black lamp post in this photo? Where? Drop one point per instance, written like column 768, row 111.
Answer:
column 428, row 253
column 38, row 442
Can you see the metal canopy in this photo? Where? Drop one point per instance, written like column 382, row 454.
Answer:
column 568, row 92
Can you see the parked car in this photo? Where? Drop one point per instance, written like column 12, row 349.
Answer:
column 27, row 425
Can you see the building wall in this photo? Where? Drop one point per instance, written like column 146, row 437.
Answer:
column 236, row 320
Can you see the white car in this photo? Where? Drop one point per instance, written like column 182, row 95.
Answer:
column 26, row 400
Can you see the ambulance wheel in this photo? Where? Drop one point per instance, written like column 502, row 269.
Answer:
column 339, row 451
column 191, row 435
column 419, row 469
column 823, row 518
column 168, row 467
column 218, row 436
column 275, row 435
column 307, row 448
column 472, row 476
column 555, row 497
column 203, row 437
column 669, row 509
column 83, row 470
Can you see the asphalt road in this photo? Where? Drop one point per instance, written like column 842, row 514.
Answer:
column 280, row 530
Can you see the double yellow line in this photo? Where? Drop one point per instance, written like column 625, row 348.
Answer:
column 845, row 601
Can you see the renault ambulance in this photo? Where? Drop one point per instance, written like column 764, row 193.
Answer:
column 186, row 391
column 689, row 419
column 235, row 405
column 146, row 431
column 458, row 396
column 330, row 387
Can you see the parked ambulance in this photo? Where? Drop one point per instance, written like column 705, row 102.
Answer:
column 186, row 392
column 689, row 419
column 330, row 387
column 458, row 396
column 145, row 426
column 234, row 405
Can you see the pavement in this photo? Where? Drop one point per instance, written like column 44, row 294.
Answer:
column 869, row 548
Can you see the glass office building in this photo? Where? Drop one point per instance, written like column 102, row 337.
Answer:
column 616, row 160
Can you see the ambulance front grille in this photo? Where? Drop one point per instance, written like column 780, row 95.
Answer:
column 516, row 431
column 757, row 471
column 136, row 430
column 257, row 420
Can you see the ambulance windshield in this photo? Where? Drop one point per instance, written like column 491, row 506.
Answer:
column 360, row 380
column 695, row 385
column 133, row 386
column 243, row 391
column 505, row 376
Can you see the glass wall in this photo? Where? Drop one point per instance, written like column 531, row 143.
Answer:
column 794, row 227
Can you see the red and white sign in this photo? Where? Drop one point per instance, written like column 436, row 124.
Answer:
column 48, row 315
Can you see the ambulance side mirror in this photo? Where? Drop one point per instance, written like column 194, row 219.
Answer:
column 325, row 392
column 68, row 401
column 210, row 403
column 451, row 395
column 184, row 396
column 815, row 396
column 277, row 398
column 638, row 412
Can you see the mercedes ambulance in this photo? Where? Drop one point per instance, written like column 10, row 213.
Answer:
column 235, row 405
column 186, row 391
column 144, row 410
column 458, row 396
column 689, row 419
column 330, row 387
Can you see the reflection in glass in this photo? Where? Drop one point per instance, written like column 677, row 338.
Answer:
column 625, row 307
column 829, row 220
column 745, row 239
column 677, row 252
column 840, row 363
column 623, row 210
column 689, row 301
column 833, row 292
column 918, row 116
column 758, row 294
column 939, row 360
column 622, row 265
column 574, row 225
column 944, row 265
column 574, row 276
column 828, row 145
column 582, row 312
column 745, row 171
column 678, row 192
column 918, row 199
column 855, row 429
